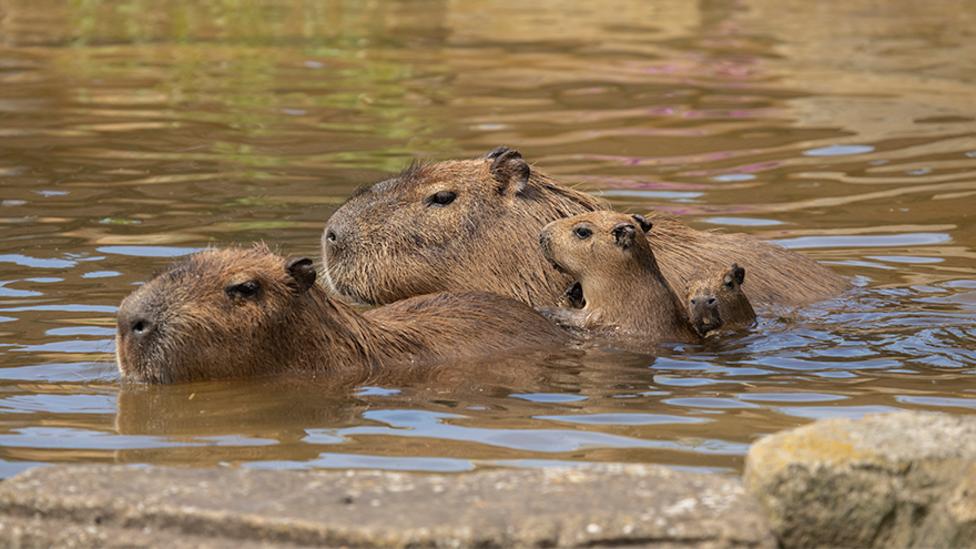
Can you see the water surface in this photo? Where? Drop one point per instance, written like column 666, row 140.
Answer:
column 135, row 132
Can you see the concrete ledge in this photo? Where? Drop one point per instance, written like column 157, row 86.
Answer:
column 897, row 480
column 595, row 506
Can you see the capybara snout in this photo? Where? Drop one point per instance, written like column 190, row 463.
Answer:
column 705, row 314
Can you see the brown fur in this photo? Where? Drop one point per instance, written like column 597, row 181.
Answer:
column 196, row 324
column 716, row 301
column 622, row 288
column 389, row 241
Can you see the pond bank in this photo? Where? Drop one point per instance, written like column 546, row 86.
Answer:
column 905, row 479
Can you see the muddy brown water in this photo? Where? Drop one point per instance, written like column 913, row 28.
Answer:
column 134, row 132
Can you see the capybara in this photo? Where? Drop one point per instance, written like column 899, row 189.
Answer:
column 472, row 225
column 618, row 282
column 716, row 301
column 232, row 313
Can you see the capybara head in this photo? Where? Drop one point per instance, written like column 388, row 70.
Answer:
column 715, row 299
column 618, row 284
column 455, row 225
column 596, row 245
column 217, row 313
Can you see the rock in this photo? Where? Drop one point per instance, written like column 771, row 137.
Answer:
column 593, row 506
column 906, row 479
column 48, row 532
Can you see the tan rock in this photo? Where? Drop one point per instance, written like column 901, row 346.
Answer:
column 896, row 480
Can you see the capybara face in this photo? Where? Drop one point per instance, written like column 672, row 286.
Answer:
column 709, row 295
column 217, row 313
column 453, row 225
column 595, row 244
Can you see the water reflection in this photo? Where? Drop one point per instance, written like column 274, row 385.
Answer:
column 134, row 133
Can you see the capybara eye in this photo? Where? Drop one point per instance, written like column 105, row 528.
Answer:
column 441, row 198
column 582, row 233
column 245, row 289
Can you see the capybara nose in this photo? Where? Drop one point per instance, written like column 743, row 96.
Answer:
column 135, row 319
column 711, row 301
column 135, row 325
column 334, row 238
column 140, row 327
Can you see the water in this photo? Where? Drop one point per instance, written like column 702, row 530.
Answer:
column 135, row 132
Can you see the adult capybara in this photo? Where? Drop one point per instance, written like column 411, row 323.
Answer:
column 717, row 301
column 618, row 284
column 472, row 225
column 231, row 313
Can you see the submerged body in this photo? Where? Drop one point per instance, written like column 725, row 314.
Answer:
column 232, row 313
column 619, row 288
column 472, row 224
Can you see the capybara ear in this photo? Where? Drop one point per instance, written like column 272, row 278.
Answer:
column 510, row 169
column 497, row 151
column 735, row 275
column 303, row 271
column 738, row 273
column 645, row 223
column 623, row 234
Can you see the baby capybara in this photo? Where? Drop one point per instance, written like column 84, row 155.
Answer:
column 619, row 285
column 716, row 301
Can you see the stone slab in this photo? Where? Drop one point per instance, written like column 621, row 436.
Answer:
column 601, row 506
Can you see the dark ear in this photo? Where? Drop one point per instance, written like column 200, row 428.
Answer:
column 497, row 151
column 510, row 169
column 303, row 271
column 739, row 273
column 645, row 224
column 623, row 234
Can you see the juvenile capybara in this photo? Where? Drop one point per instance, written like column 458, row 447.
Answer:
column 232, row 313
column 716, row 301
column 618, row 282
column 472, row 225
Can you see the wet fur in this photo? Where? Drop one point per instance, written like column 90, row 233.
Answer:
column 206, row 335
column 485, row 250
